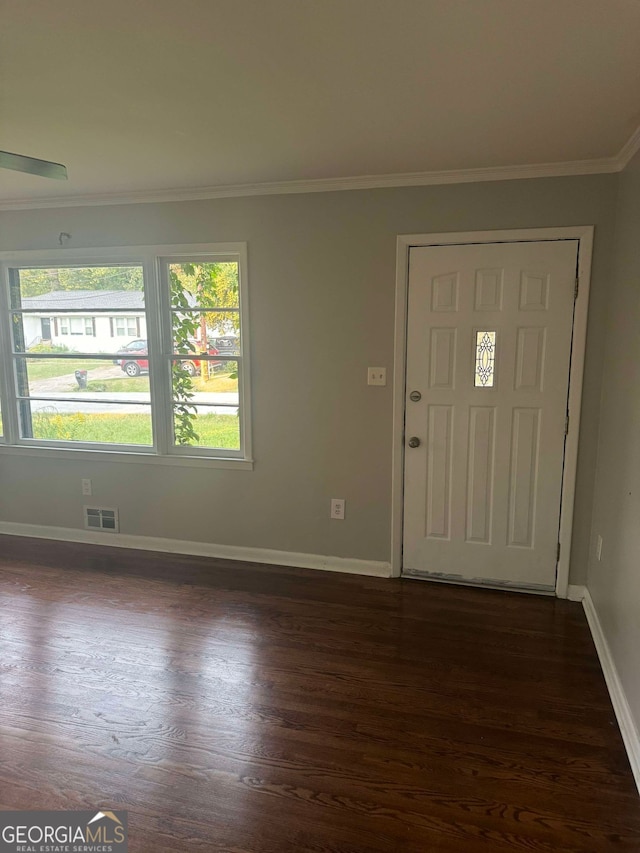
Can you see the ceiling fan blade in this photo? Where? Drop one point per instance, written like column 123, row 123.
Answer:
column 44, row 168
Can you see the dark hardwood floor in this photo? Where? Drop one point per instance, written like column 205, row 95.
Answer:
column 252, row 709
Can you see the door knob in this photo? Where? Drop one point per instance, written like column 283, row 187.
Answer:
column 414, row 441
column 415, row 396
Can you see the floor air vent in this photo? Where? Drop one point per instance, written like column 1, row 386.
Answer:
column 101, row 518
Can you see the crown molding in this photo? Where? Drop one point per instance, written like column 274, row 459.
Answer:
column 629, row 149
column 321, row 185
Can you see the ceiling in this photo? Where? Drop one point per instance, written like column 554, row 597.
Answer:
column 144, row 96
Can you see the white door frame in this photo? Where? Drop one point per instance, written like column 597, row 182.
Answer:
column 582, row 233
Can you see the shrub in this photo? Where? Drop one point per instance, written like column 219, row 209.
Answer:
column 48, row 423
column 45, row 347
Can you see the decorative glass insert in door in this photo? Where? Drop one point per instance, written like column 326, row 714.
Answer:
column 485, row 359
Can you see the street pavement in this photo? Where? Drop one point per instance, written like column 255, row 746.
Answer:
column 205, row 402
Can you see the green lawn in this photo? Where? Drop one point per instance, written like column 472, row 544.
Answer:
column 217, row 384
column 213, row 430
column 45, row 369
column 124, row 383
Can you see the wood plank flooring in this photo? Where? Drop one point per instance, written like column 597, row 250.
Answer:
column 254, row 709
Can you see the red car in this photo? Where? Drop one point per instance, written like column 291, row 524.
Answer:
column 134, row 361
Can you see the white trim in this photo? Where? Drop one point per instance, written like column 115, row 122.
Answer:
column 399, row 390
column 323, row 185
column 624, row 715
column 582, row 233
column 576, row 592
column 106, row 255
column 629, row 149
column 596, row 166
column 133, row 456
column 574, row 408
column 346, row 565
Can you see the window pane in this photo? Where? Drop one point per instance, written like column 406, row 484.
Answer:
column 485, row 359
column 209, row 382
column 75, row 288
column 204, row 285
column 226, row 344
column 67, row 392
column 221, row 330
column 215, row 427
column 128, row 379
column 93, row 422
column 201, row 399
column 73, row 308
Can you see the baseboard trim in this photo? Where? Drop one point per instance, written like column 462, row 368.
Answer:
column 627, row 724
column 575, row 592
column 347, row 565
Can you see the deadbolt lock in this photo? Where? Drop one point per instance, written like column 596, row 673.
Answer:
column 415, row 396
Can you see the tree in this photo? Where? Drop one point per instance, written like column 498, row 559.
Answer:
column 36, row 282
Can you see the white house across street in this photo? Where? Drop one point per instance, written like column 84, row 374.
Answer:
column 76, row 319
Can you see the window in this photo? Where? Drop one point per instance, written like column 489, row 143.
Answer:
column 485, row 359
column 153, row 357
column 76, row 326
column 125, row 327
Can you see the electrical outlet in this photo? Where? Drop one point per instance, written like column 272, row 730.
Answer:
column 337, row 508
column 86, row 487
column 377, row 376
column 599, row 548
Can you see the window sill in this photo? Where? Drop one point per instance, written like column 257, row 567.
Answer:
column 126, row 457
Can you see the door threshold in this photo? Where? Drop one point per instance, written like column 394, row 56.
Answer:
column 479, row 583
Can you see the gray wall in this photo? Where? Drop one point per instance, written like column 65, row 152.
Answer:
column 614, row 582
column 322, row 277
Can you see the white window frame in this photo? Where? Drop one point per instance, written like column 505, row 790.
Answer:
column 153, row 260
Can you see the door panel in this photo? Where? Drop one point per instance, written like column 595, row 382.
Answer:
column 488, row 348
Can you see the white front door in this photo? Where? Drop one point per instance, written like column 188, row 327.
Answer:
column 488, row 355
